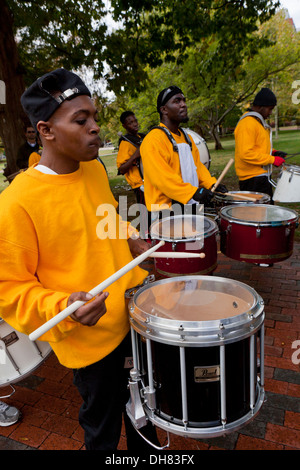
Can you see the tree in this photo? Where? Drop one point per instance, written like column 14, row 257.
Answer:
column 214, row 93
column 36, row 37
column 154, row 32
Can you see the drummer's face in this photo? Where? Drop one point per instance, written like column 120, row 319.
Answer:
column 266, row 111
column 176, row 108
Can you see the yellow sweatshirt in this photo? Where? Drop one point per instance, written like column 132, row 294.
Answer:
column 162, row 176
column 133, row 177
column 52, row 243
column 252, row 148
column 34, row 157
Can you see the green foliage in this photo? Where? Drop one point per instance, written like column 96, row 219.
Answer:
column 65, row 33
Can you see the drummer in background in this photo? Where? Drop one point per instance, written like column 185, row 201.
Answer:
column 253, row 145
column 128, row 162
column 173, row 171
column 51, row 256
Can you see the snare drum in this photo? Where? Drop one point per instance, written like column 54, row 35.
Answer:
column 233, row 199
column 186, row 233
column 196, row 341
column 257, row 233
column 201, row 146
column 19, row 356
column 288, row 184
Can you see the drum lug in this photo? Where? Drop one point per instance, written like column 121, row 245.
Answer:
column 134, row 407
column 258, row 233
column 287, row 231
column 150, row 398
column 174, row 244
column 221, row 327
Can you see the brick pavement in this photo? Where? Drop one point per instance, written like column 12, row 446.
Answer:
column 49, row 402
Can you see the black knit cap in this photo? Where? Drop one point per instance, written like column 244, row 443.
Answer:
column 166, row 94
column 39, row 101
column 265, row 97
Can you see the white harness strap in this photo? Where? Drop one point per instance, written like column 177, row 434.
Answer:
column 187, row 167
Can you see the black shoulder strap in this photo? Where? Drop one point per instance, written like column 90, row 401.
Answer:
column 135, row 140
column 171, row 138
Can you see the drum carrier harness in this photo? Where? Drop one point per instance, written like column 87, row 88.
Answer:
column 171, row 138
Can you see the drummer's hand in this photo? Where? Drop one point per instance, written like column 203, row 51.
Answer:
column 279, row 153
column 91, row 312
column 221, row 188
column 203, row 196
column 137, row 246
column 278, row 161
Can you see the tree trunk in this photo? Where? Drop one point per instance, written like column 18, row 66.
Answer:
column 12, row 116
column 216, row 137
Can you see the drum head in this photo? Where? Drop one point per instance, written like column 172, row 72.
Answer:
column 183, row 228
column 260, row 198
column 194, row 306
column 258, row 214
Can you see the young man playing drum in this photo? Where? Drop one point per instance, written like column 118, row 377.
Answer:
column 51, row 255
column 173, row 172
column 254, row 154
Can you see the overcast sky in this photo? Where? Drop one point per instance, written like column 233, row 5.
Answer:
column 293, row 6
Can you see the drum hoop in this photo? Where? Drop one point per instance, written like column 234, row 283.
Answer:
column 211, row 231
column 175, row 329
column 232, row 219
column 265, row 197
column 291, row 169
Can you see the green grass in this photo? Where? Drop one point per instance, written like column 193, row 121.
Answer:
column 287, row 141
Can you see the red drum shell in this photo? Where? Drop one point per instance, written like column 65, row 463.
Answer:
column 168, row 267
column 266, row 241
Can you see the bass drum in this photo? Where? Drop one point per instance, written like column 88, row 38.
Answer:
column 201, row 146
column 19, row 356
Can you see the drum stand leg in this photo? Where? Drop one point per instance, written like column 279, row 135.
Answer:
column 8, row 396
column 134, row 407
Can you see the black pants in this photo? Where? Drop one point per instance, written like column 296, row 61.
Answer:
column 103, row 388
column 258, row 184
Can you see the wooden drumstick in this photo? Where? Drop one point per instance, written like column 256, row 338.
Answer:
column 96, row 290
column 222, row 175
column 246, row 198
column 170, row 254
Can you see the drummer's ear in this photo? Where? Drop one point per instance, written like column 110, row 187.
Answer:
column 45, row 130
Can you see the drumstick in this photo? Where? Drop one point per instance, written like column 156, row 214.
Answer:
column 170, row 254
column 96, row 290
column 222, row 175
column 239, row 196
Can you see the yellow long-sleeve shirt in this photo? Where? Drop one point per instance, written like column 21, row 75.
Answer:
column 34, row 158
column 133, row 176
column 162, row 175
column 252, row 148
column 52, row 243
